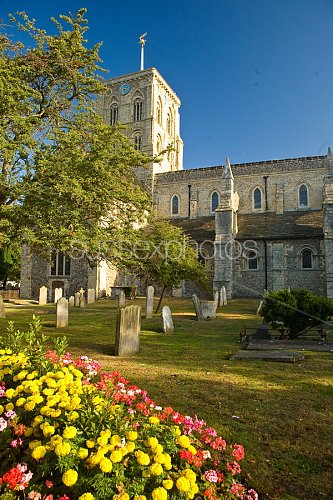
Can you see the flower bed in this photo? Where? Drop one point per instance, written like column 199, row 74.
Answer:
column 70, row 431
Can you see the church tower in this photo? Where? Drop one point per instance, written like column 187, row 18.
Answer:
column 147, row 105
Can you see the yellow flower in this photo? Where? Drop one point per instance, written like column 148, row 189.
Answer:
column 90, row 443
column 83, row 453
column 121, row 496
column 132, row 435
column 20, row 401
column 86, row 496
column 38, row 452
column 152, row 442
column 116, row 456
column 145, row 473
column 190, row 475
column 9, row 406
column 10, row 393
column 192, row 449
column 105, row 465
column 140, row 497
column 130, row 447
column 28, row 431
column 73, row 415
column 34, row 444
column 56, row 440
column 156, row 469
column 69, row 477
column 1, row 409
column 168, row 484
column 183, row 484
column 69, row 432
column 116, row 440
column 159, row 458
column 154, row 420
column 48, row 430
column 142, row 458
column 159, row 494
column 29, row 405
column 62, row 449
column 184, row 441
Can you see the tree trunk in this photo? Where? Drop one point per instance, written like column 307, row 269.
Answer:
column 161, row 298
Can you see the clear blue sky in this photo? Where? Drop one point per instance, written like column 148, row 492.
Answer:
column 255, row 77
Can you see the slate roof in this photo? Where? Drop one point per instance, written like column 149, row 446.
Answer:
column 267, row 225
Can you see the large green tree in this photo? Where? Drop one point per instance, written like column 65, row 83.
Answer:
column 66, row 178
column 162, row 255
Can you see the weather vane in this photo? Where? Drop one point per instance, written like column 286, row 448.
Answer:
column 142, row 42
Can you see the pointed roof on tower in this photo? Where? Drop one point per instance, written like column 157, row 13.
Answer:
column 227, row 172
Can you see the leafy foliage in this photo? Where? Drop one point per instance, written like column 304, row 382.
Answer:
column 66, row 178
column 161, row 255
column 297, row 310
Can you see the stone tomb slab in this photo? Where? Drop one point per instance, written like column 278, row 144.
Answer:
column 281, row 356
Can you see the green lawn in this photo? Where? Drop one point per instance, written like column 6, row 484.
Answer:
column 281, row 412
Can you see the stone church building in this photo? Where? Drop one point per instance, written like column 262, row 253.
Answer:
column 261, row 225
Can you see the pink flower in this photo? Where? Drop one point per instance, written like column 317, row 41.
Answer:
column 16, row 442
column 238, row 452
column 10, row 414
column 34, row 495
column 252, row 495
column 3, row 424
column 211, row 476
column 48, row 483
column 233, row 467
column 237, row 490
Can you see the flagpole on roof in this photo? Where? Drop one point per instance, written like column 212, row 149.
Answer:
column 142, row 42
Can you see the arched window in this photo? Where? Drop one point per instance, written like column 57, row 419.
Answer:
column 137, row 110
column 307, row 259
column 159, row 112
column 169, row 123
column 252, row 260
column 138, row 142
column 175, row 205
column 159, row 145
column 60, row 264
column 303, row 200
column 214, row 201
column 257, row 199
column 113, row 114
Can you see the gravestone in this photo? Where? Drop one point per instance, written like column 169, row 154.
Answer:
column 77, row 296
column 197, row 307
column 121, row 299
column 42, row 300
column 91, row 296
column 81, row 291
column 208, row 309
column 149, row 302
column 82, row 301
column 62, row 312
column 71, row 301
column 224, row 295
column 220, row 298
column 167, row 320
column 57, row 294
column 128, row 330
column 2, row 307
column 216, row 297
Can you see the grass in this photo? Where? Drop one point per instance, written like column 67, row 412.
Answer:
column 281, row 412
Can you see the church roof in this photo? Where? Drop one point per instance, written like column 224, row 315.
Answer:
column 264, row 225
column 269, row 225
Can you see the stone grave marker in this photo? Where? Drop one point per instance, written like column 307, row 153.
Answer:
column 224, row 295
column 208, row 309
column 2, row 307
column 259, row 307
column 128, row 330
column 57, row 294
column 42, row 300
column 150, row 302
column 82, row 301
column 71, row 301
column 62, row 312
column 167, row 320
column 121, row 299
column 91, row 296
column 77, row 296
column 216, row 297
column 197, row 307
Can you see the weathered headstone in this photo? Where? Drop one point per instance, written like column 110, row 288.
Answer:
column 71, row 301
column 208, row 309
column 81, row 291
column 62, row 312
column 42, row 300
column 224, row 296
column 121, row 299
column 259, row 307
column 82, row 301
column 197, row 307
column 150, row 302
column 77, row 296
column 128, row 330
column 2, row 307
column 57, row 294
column 216, row 297
column 167, row 320
column 91, row 296
column 221, row 298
